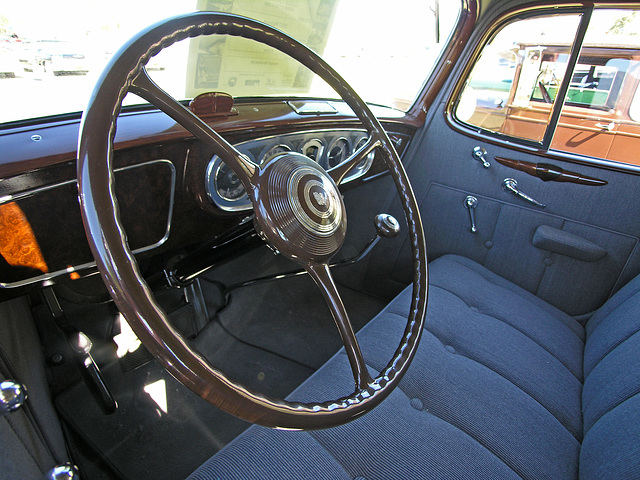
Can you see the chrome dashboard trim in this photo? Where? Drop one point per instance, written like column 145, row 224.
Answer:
column 322, row 136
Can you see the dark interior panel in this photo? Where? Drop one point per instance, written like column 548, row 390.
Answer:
column 145, row 196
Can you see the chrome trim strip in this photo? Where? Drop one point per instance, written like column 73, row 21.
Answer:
column 46, row 278
column 228, row 205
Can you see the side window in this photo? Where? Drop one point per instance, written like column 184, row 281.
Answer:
column 512, row 87
column 600, row 111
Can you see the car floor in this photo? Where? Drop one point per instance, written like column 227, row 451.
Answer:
column 270, row 337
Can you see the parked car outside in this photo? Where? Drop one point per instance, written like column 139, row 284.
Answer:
column 54, row 57
column 9, row 64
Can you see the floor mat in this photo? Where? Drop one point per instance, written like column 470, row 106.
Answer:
column 161, row 430
column 290, row 317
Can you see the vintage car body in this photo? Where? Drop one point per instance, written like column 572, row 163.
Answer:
column 597, row 120
column 53, row 57
column 172, row 275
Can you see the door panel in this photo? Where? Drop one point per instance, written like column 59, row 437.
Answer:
column 504, row 244
column 444, row 172
column 582, row 245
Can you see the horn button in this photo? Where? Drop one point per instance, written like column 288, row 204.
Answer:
column 299, row 210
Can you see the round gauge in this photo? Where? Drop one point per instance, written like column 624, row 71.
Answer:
column 338, row 152
column 224, row 188
column 227, row 183
column 313, row 149
column 368, row 160
column 273, row 151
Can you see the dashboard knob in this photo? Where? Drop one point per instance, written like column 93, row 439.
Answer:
column 386, row 225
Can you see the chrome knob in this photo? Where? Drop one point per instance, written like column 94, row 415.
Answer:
column 81, row 343
column 386, row 225
column 12, row 396
column 66, row 471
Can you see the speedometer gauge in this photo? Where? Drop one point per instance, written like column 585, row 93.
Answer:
column 338, row 152
column 224, row 188
column 227, row 183
column 368, row 160
column 313, row 149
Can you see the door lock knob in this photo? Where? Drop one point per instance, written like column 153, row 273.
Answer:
column 12, row 396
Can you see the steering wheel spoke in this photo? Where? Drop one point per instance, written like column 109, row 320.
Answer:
column 146, row 88
column 339, row 172
column 323, row 278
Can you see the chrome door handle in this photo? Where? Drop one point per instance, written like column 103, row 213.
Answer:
column 606, row 126
column 510, row 185
column 479, row 154
column 471, row 203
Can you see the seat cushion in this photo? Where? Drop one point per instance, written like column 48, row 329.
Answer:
column 494, row 392
column 533, row 345
column 611, row 394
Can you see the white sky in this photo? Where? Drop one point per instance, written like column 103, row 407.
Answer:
column 399, row 49
column 70, row 18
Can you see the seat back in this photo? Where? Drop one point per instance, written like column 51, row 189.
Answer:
column 611, row 395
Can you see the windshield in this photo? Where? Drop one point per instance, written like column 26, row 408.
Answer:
column 50, row 59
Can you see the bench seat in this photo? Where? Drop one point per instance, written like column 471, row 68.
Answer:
column 503, row 386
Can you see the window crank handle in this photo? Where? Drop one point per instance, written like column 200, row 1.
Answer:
column 471, row 203
column 510, row 185
column 479, row 154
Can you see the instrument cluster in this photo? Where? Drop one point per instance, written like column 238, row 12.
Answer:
column 328, row 148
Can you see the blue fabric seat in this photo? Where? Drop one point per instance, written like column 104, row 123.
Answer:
column 503, row 386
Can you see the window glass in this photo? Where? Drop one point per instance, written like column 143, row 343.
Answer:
column 49, row 62
column 634, row 108
column 513, row 85
column 597, row 118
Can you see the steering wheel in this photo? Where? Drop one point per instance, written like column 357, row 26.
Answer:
column 298, row 210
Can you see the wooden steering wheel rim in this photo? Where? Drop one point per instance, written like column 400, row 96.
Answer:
column 119, row 268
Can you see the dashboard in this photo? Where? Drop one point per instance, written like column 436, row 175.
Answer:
column 42, row 236
column 174, row 193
